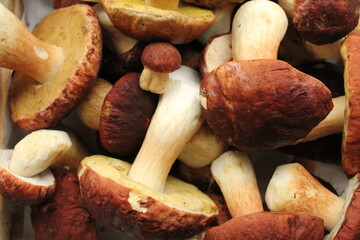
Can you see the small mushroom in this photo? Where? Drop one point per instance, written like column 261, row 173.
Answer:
column 144, row 201
column 170, row 21
column 64, row 216
column 337, row 19
column 293, row 189
column 22, row 190
column 350, row 53
column 266, row 103
column 56, row 65
column 159, row 59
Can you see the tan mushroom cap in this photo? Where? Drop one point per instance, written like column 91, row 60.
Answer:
column 180, row 211
column 351, row 135
column 146, row 23
column 76, row 29
column 266, row 225
column 22, row 190
column 213, row 3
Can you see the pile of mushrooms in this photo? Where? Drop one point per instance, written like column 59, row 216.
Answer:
column 176, row 142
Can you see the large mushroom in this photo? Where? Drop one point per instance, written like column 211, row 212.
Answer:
column 141, row 199
column 170, row 20
column 293, row 189
column 261, row 102
column 234, row 173
column 56, row 65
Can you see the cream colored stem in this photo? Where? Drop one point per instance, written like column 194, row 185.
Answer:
column 175, row 121
column 288, row 6
column 23, row 52
column 236, row 178
column 163, row 4
column 257, row 30
column 333, row 123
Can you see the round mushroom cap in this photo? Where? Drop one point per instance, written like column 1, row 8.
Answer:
column 161, row 57
column 147, row 23
column 76, row 29
column 24, row 190
column 213, row 3
column 337, row 19
column 64, row 216
column 125, row 116
column 124, row 205
column 269, row 225
column 262, row 104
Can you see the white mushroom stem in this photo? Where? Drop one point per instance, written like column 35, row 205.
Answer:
column 163, row 4
column 38, row 150
column 112, row 36
column 21, row 51
column 234, row 173
column 293, row 189
column 257, row 30
column 175, row 121
column 333, row 123
column 153, row 81
column 326, row 51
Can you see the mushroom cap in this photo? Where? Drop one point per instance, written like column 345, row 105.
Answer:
column 125, row 116
column 269, row 225
column 351, row 57
column 76, row 29
column 161, row 57
column 63, row 216
column 262, row 104
column 348, row 226
column 337, row 19
column 22, row 190
column 124, row 205
column 213, row 3
column 146, row 23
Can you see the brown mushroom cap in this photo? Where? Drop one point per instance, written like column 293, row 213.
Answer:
column 76, row 29
column 147, row 23
column 266, row 225
column 21, row 190
column 337, row 19
column 124, row 205
column 350, row 147
column 262, row 104
column 161, row 57
column 125, row 116
column 64, row 216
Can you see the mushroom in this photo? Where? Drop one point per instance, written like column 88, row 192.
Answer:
column 337, row 19
column 234, row 173
column 266, row 103
column 126, row 113
column 293, row 189
column 159, row 59
column 55, row 68
column 44, row 148
column 213, row 3
column 23, row 190
column 64, row 216
column 170, row 21
column 350, row 145
column 144, row 201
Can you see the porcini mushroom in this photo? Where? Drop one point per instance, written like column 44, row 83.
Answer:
column 337, row 19
column 159, row 59
column 351, row 56
column 22, row 190
column 170, row 21
column 293, row 189
column 266, row 103
column 144, row 201
column 56, row 65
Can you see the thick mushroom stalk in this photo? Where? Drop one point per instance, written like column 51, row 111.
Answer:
column 236, row 178
column 163, row 4
column 21, row 51
column 293, row 189
column 175, row 121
